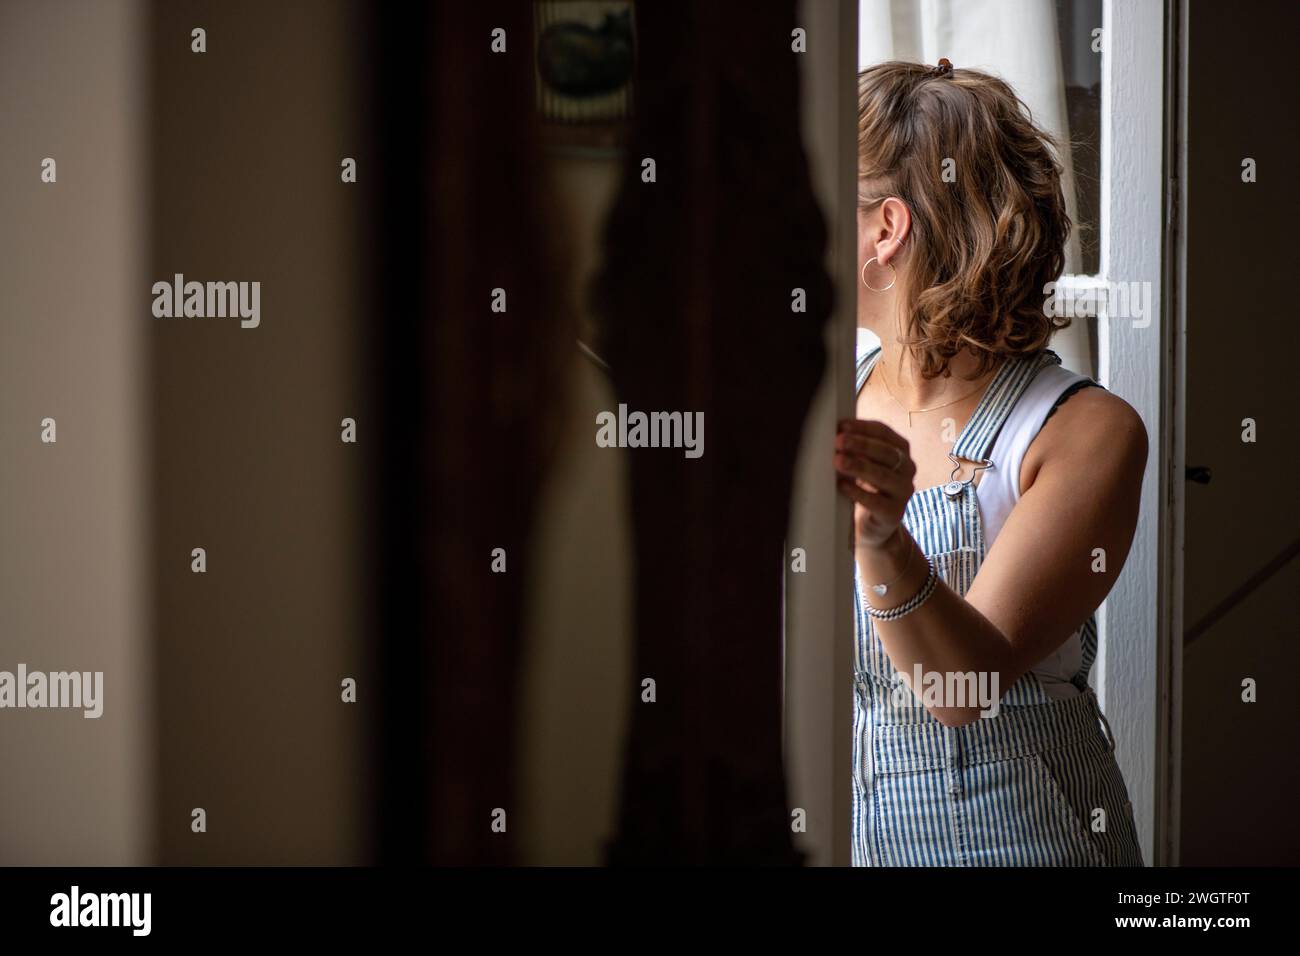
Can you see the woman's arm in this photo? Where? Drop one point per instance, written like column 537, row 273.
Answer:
column 1083, row 475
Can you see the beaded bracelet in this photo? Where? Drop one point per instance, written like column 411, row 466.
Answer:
column 907, row 607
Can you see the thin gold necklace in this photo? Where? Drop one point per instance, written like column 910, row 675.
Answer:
column 918, row 411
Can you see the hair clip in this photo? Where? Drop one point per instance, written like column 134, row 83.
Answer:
column 943, row 69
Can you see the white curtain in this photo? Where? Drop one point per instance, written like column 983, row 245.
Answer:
column 1014, row 39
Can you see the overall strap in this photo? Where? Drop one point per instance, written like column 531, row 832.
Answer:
column 977, row 438
column 864, row 368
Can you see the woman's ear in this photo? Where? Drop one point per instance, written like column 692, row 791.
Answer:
column 895, row 227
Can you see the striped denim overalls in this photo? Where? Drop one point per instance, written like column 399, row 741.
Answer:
column 1027, row 787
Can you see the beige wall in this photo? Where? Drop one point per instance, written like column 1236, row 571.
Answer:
column 248, row 461
column 72, row 516
column 1239, row 760
column 819, row 602
column 578, row 623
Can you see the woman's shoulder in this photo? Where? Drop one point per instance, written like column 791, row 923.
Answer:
column 1098, row 410
column 1094, row 430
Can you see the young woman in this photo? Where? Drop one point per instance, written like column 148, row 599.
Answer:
column 995, row 497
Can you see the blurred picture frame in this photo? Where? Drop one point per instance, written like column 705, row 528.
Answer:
column 585, row 67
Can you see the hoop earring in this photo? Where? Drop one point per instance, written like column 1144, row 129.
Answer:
column 869, row 285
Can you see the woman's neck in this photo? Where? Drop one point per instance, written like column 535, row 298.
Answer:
column 904, row 381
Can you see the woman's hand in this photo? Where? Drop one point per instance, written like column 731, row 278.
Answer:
column 875, row 471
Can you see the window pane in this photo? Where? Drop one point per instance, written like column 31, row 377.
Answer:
column 1081, row 78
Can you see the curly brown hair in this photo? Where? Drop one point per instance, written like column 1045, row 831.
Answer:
column 983, row 246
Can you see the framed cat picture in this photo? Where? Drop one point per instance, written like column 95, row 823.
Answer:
column 586, row 53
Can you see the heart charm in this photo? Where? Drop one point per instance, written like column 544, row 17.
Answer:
column 880, row 589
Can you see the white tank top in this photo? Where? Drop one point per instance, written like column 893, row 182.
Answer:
column 998, row 490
